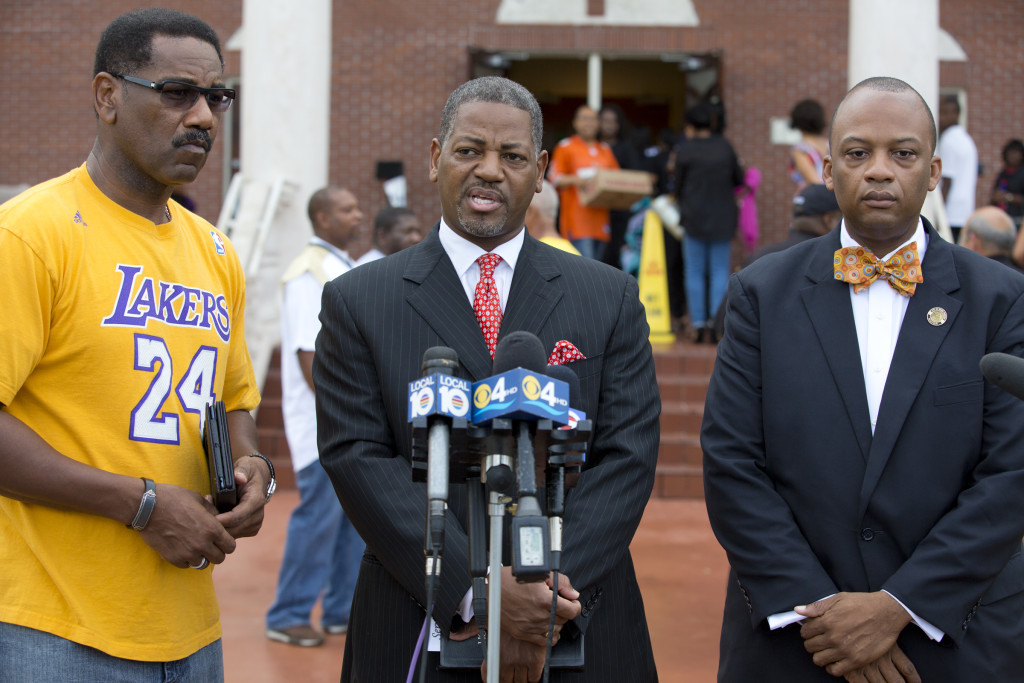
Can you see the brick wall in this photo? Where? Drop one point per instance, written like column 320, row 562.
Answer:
column 46, row 54
column 395, row 61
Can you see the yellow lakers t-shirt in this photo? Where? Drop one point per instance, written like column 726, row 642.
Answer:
column 115, row 334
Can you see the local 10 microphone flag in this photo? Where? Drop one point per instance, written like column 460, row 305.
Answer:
column 520, row 394
column 439, row 394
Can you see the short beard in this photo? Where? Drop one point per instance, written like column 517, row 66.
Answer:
column 480, row 227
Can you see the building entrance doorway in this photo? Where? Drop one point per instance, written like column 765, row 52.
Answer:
column 653, row 91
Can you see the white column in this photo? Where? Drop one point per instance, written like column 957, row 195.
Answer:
column 285, row 96
column 594, row 81
column 897, row 38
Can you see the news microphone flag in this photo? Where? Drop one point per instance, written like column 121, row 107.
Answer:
column 439, row 394
column 520, row 394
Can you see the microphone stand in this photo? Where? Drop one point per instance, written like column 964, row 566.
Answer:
column 500, row 480
column 487, row 466
column 496, row 512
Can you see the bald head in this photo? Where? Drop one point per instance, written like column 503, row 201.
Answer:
column 540, row 217
column 891, row 85
column 989, row 231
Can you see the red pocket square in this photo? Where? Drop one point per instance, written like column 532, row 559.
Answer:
column 564, row 353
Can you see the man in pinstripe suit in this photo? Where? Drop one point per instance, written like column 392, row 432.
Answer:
column 378, row 319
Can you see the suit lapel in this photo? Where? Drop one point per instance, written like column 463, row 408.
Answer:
column 916, row 348
column 828, row 306
column 533, row 294
column 441, row 301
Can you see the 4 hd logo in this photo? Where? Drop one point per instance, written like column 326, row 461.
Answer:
column 520, row 393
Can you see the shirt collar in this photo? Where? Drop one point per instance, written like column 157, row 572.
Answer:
column 464, row 253
column 920, row 236
column 340, row 253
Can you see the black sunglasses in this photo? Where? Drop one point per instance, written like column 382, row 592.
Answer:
column 179, row 95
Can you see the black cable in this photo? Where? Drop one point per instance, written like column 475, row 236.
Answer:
column 551, row 625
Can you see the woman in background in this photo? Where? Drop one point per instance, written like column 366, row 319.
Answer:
column 807, row 156
column 615, row 132
column 1008, row 190
column 707, row 173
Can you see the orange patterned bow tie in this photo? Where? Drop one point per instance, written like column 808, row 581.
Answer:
column 859, row 267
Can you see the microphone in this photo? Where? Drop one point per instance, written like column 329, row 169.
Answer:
column 572, row 381
column 1005, row 371
column 518, row 391
column 435, row 400
column 563, row 455
column 566, row 446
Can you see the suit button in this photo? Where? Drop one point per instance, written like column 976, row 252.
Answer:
column 867, row 534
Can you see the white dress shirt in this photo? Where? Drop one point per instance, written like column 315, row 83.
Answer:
column 300, row 324
column 960, row 164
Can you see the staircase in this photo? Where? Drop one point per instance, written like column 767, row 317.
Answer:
column 683, row 372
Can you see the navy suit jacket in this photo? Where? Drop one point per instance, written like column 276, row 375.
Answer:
column 377, row 320
column 807, row 502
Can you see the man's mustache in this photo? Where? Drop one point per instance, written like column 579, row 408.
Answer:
column 194, row 136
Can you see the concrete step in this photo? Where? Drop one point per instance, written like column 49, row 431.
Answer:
column 681, row 416
column 683, row 388
column 684, row 359
column 677, row 449
column 678, row 481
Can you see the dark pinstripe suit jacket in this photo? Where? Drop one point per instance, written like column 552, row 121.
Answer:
column 377, row 320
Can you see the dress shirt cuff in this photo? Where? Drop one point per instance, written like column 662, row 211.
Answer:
column 465, row 610
column 783, row 619
column 931, row 631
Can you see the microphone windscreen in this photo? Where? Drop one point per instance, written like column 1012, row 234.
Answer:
column 440, row 359
column 519, row 350
column 1005, row 371
column 566, row 374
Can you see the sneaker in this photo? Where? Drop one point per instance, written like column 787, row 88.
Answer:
column 336, row 629
column 303, row 636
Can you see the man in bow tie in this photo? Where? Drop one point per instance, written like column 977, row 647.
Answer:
column 854, row 457
column 475, row 278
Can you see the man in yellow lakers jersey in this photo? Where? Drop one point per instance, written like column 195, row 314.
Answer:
column 123, row 319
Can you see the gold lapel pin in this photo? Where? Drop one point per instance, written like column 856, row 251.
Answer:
column 937, row 316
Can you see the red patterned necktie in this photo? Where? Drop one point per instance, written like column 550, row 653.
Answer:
column 486, row 303
column 859, row 267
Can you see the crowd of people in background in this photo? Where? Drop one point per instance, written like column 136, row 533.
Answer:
column 716, row 195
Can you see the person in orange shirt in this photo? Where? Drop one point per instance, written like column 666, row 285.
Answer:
column 574, row 160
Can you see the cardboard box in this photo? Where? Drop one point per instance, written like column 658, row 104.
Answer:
column 616, row 189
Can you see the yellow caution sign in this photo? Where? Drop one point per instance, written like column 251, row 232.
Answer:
column 653, row 281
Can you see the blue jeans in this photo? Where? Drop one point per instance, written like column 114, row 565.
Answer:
column 31, row 656
column 590, row 247
column 704, row 262
column 322, row 555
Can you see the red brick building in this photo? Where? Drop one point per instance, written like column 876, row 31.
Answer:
column 395, row 62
